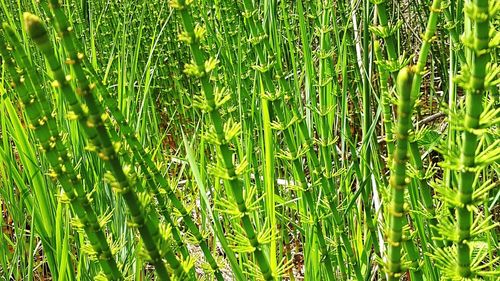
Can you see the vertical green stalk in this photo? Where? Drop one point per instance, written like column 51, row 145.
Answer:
column 478, row 13
column 368, row 137
column 452, row 27
column 388, row 32
column 269, row 174
column 325, row 177
column 385, row 100
column 424, row 188
column 428, row 36
column 397, row 214
column 328, row 101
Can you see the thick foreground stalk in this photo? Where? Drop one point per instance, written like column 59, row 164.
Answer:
column 398, row 182
column 140, row 155
column 474, row 107
column 45, row 128
column 90, row 117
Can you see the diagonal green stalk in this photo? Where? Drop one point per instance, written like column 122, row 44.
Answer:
column 76, row 62
column 425, row 190
column 144, row 158
column 296, row 77
column 90, row 118
column 427, row 39
column 397, row 217
column 44, row 125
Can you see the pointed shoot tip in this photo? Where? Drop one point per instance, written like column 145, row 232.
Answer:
column 33, row 25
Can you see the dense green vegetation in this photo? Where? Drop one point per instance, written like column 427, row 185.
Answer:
column 249, row 140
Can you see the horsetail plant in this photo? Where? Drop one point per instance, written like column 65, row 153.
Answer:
column 467, row 258
column 139, row 153
column 289, row 179
column 294, row 153
column 388, row 35
column 397, row 214
column 420, row 173
column 386, row 31
column 221, row 134
column 144, row 159
column 427, row 39
column 44, row 125
column 385, row 100
column 76, row 60
column 411, row 249
column 90, row 118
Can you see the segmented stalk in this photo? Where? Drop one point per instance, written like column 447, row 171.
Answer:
column 426, row 46
column 269, row 174
column 326, row 177
column 202, row 64
column 76, row 62
column 397, row 214
column 327, row 102
column 44, row 125
column 155, row 178
column 389, row 33
column 142, row 157
column 452, row 29
column 425, row 190
column 385, row 101
column 478, row 13
column 293, row 152
column 430, row 30
column 413, row 253
column 90, row 117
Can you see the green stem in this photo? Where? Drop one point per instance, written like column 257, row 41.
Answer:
column 385, row 101
column 144, row 159
column 474, row 107
column 397, row 214
column 90, row 118
column 326, row 180
column 46, row 130
column 269, row 175
column 426, row 47
column 225, row 154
